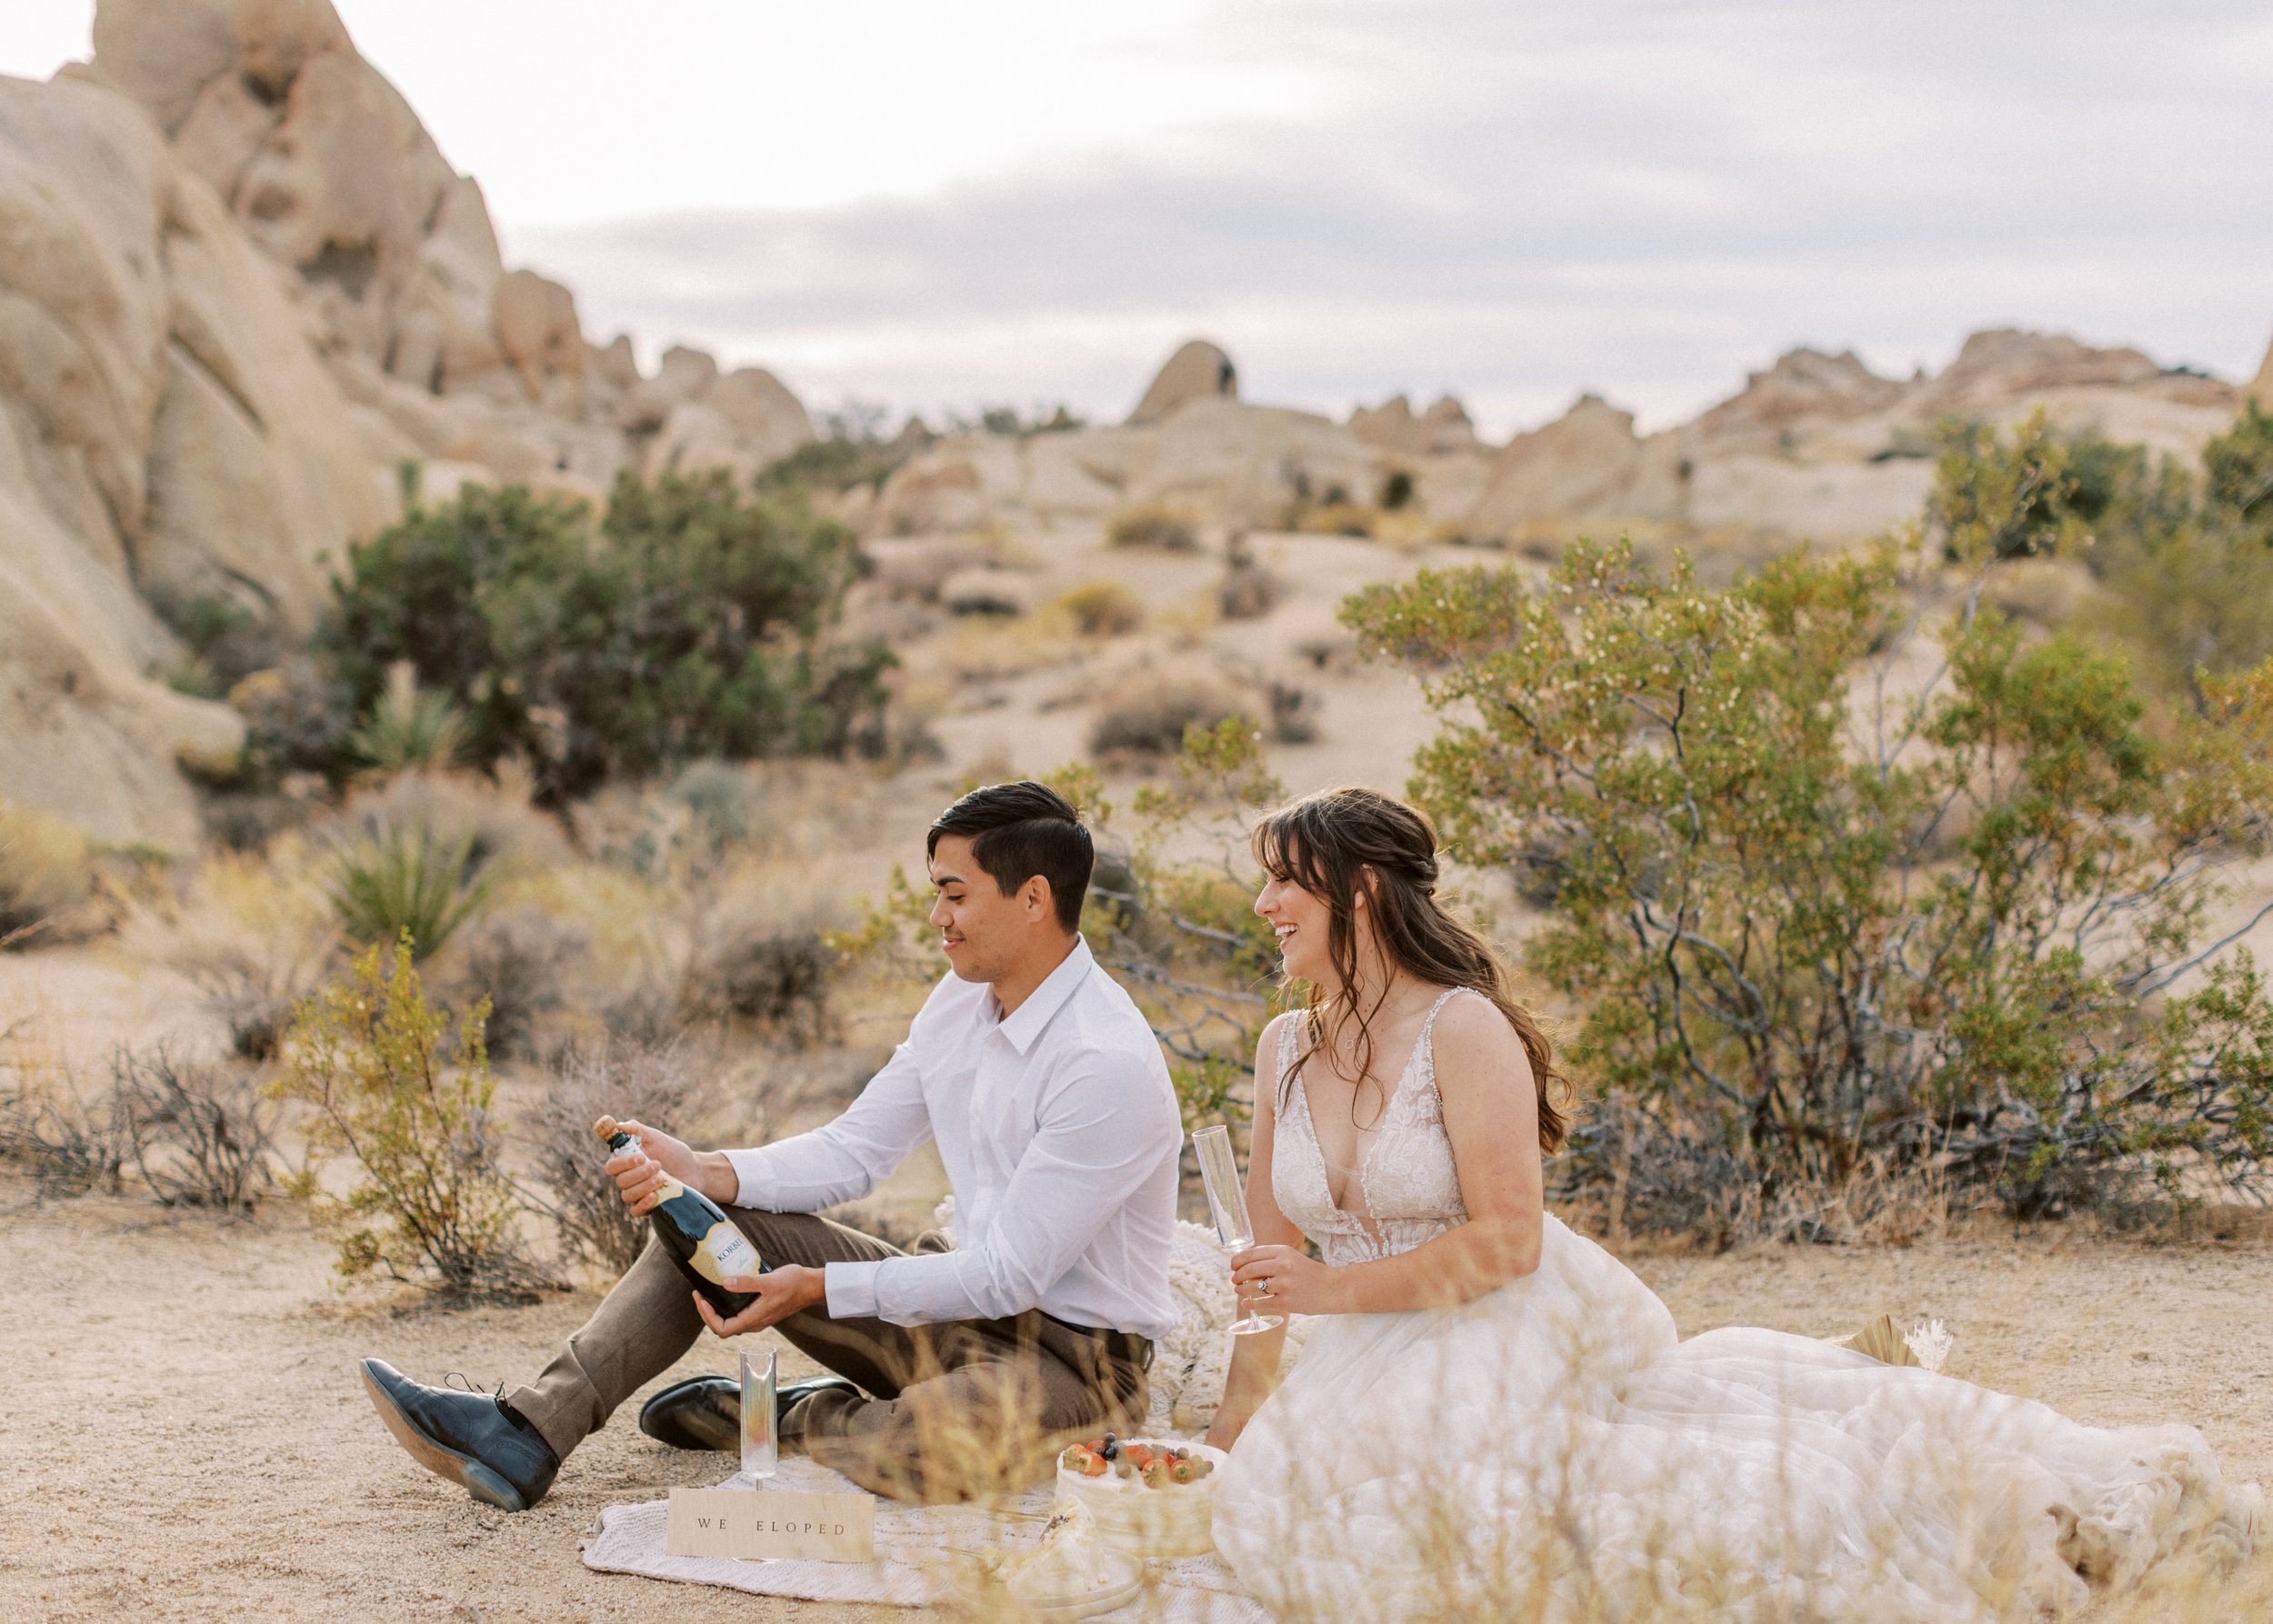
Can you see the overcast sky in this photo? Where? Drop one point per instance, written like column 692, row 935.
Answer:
column 945, row 205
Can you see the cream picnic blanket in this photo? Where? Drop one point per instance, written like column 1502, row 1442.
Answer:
column 921, row 1557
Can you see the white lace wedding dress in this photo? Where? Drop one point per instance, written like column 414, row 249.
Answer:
column 1552, row 1452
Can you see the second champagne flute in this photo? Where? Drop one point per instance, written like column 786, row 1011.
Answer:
column 1228, row 1204
column 761, row 1437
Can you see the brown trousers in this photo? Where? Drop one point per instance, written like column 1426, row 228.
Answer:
column 945, row 1412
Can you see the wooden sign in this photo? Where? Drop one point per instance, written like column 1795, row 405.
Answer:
column 802, row 1528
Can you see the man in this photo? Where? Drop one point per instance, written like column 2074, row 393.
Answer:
column 953, row 1371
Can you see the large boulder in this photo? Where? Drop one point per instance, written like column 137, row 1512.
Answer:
column 2261, row 391
column 1588, row 464
column 164, row 428
column 1197, row 371
column 742, row 421
column 1804, row 391
column 538, row 332
column 1443, row 430
column 326, row 168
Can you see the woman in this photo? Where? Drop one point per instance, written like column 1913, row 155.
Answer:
column 1495, row 1418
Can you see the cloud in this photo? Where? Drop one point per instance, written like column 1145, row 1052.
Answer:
column 1520, row 202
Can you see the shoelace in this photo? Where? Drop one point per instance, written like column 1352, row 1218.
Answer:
column 459, row 1382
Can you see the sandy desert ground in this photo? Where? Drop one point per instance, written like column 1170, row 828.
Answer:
column 183, row 1437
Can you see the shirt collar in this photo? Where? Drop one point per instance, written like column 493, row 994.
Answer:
column 1025, row 1024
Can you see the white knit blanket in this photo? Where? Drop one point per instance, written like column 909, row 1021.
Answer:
column 922, row 1551
column 921, row 1557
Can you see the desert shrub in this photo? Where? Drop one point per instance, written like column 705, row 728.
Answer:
column 253, row 934
column 773, row 972
column 1294, row 714
column 1247, row 592
column 1153, row 526
column 2238, row 465
column 1151, row 718
column 226, row 640
column 298, row 715
column 410, row 727
column 655, row 1084
column 1340, row 518
column 46, row 871
column 836, row 462
column 200, row 1135
column 517, row 959
column 69, row 1138
column 2183, row 557
column 408, row 1099
column 1396, row 490
column 494, row 814
column 1814, row 925
column 1102, row 609
column 689, row 621
column 2002, row 498
column 405, row 883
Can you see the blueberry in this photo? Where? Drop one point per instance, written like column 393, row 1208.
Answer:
column 1112, row 1450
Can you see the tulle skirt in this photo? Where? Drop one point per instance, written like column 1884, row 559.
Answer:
column 1552, row 1452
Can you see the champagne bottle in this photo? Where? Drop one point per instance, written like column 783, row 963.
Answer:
column 701, row 1238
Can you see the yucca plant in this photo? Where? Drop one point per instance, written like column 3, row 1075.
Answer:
column 403, row 882
column 410, row 727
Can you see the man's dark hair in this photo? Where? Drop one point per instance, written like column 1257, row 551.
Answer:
column 1019, row 831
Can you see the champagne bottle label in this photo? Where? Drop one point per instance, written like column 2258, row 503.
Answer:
column 724, row 1253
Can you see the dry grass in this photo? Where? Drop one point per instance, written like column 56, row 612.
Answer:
column 1100, row 610
column 1158, row 525
column 253, row 932
column 46, row 871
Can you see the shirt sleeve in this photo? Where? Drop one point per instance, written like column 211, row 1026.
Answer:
column 846, row 1159
column 1105, row 1126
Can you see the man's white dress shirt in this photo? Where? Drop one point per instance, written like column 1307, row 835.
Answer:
column 1061, row 1137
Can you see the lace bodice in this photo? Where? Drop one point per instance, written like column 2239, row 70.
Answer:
column 1408, row 1190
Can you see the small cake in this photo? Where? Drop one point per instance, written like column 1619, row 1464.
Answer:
column 1152, row 1497
column 1071, row 1572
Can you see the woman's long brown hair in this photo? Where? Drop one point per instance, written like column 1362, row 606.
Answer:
column 1325, row 843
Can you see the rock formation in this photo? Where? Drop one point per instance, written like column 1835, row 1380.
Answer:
column 2261, row 391
column 1586, row 464
column 1443, row 430
column 1820, row 445
column 1197, row 371
column 239, row 284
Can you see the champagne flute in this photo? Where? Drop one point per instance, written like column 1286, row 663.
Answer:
column 1228, row 1204
column 761, row 1440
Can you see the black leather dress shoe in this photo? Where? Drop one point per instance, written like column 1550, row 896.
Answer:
column 702, row 1414
column 705, row 1412
column 472, row 1438
column 786, row 1398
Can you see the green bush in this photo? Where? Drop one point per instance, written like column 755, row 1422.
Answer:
column 410, row 728
column 405, row 882
column 2186, row 561
column 391, row 1086
column 1812, row 926
column 689, row 621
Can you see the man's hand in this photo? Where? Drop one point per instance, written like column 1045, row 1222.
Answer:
column 781, row 1292
column 639, row 1172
